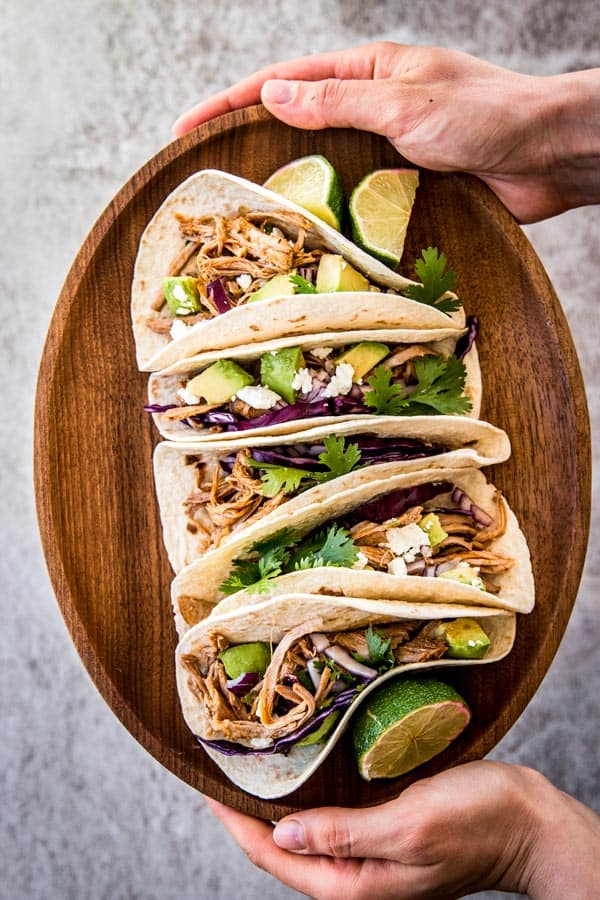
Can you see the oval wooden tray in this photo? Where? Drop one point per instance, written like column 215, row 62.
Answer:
column 93, row 447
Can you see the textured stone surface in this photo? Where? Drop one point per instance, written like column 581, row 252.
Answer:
column 89, row 91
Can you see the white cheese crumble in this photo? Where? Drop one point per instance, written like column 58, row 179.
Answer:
column 244, row 280
column 341, row 382
column 361, row 561
column 302, row 381
column 259, row 397
column 407, row 541
column 179, row 293
column 178, row 329
column 188, row 397
column 321, row 352
column 397, row 566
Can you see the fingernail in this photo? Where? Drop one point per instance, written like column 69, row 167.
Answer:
column 289, row 835
column 278, row 91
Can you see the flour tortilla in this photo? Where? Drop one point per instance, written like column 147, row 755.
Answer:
column 211, row 192
column 162, row 386
column 195, row 591
column 271, row 776
column 469, row 442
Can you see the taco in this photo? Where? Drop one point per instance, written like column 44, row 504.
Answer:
column 437, row 535
column 268, row 690
column 214, row 266
column 208, row 493
column 293, row 384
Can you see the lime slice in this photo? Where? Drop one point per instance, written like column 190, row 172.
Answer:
column 313, row 183
column 380, row 207
column 404, row 724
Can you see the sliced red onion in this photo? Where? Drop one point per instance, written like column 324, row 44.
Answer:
column 319, row 641
column 216, row 292
column 464, row 343
column 314, row 674
column 429, row 572
column 243, row 683
column 343, row 658
column 466, row 504
column 445, row 566
column 416, row 567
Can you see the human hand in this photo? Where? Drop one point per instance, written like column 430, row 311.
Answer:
column 534, row 140
column 480, row 825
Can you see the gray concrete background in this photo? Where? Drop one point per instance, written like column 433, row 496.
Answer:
column 89, row 90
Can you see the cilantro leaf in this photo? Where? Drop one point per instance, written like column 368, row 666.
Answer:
column 430, row 269
column 387, row 399
column 254, row 575
column 279, row 478
column 330, row 546
column 339, row 458
column 301, row 285
column 440, row 386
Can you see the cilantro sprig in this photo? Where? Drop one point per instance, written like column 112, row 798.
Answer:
column 284, row 552
column 440, row 386
column 337, row 457
column 430, row 269
column 301, row 285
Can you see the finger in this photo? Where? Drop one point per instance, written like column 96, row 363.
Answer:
column 374, row 833
column 384, row 106
column 358, row 62
column 255, row 837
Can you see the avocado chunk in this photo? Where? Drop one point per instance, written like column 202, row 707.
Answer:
column 241, row 658
column 278, row 369
column 219, row 382
column 363, row 357
column 431, row 525
column 335, row 274
column 466, row 639
column 464, row 574
column 181, row 294
column 323, row 731
column 277, row 286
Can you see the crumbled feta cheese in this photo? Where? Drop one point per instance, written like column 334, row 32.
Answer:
column 188, row 397
column 302, row 381
column 244, row 280
column 178, row 329
column 341, row 382
column 179, row 293
column 361, row 561
column 407, row 541
column 321, row 352
column 397, row 566
column 259, row 397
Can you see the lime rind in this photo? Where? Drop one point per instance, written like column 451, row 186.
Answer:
column 313, row 183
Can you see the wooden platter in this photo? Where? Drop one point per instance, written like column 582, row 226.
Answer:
column 93, row 447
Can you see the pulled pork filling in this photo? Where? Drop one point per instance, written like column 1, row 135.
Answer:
column 310, row 676
column 240, row 252
column 236, row 492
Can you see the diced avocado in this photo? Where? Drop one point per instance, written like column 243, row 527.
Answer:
column 181, row 294
column 363, row 357
column 219, row 382
column 278, row 369
column 464, row 574
column 466, row 639
column 335, row 274
column 277, row 286
column 323, row 731
column 431, row 525
column 240, row 658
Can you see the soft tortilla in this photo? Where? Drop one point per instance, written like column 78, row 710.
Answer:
column 162, row 386
column 195, row 591
column 212, row 192
column 469, row 442
column 271, row 776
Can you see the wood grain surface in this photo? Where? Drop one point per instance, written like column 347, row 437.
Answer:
column 98, row 517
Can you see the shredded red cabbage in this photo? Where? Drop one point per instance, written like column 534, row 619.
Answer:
column 396, row 503
column 158, row 407
column 243, row 683
column 216, row 292
column 464, row 343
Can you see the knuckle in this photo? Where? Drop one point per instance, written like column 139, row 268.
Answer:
column 337, row 839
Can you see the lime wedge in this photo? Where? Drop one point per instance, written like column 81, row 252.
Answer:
column 380, row 207
column 313, row 183
column 404, row 724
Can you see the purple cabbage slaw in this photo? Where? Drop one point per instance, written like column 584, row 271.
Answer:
column 465, row 343
column 395, row 504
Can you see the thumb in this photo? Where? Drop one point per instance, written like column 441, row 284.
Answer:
column 340, row 832
column 369, row 105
